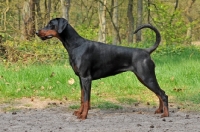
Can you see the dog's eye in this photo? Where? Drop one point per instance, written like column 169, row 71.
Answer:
column 52, row 26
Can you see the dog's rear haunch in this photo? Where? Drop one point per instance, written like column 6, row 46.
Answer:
column 92, row 60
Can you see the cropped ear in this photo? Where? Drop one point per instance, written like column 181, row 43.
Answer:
column 62, row 23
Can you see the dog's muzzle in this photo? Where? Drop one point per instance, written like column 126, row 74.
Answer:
column 43, row 37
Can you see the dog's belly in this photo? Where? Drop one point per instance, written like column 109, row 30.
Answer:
column 98, row 75
column 105, row 72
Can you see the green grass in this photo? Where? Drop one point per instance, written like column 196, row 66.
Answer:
column 177, row 70
column 179, row 74
column 36, row 80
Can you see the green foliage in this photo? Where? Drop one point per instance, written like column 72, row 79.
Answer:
column 36, row 51
column 170, row 50
column 90, row 32
column 170, row 23
column 84, row 16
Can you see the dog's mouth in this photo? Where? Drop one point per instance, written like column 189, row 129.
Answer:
column 43, row 36
column 46, row 34
column 46, row 37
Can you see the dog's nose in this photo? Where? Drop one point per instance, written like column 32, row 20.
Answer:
column 37, row 32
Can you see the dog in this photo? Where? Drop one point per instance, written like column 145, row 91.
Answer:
column 92, row 60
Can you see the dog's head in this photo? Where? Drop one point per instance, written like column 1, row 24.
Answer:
column 53, row 29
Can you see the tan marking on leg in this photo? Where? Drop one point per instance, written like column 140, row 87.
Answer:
column 160, row 108
column 80, row 110
column 85, row 111
column 166, row 112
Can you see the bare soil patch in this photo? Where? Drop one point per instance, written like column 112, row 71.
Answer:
column 34, row 115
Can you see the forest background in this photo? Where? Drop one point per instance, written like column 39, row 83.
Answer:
column 111, row 21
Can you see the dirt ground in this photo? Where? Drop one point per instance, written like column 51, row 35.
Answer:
column 29, row 115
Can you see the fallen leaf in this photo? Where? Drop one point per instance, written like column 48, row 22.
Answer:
column 71, row 81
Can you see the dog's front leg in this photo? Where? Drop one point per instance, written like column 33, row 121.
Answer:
column 80, row 110
column 85, row 98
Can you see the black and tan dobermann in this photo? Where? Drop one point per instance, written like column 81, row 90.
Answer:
column 92, row 60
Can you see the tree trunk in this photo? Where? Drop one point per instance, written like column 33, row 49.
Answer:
column 189, row 19
column 47, row 4
column 148, row 12
column 65, row 8
column 29, row 19
column 32, row 9
column 139, row 18
column 173, row 15
column 130, row 21
column 102, row 22
column 115, row 22
column 26, row 17
column 4, row 16
column 18, row 6
column 39, row 15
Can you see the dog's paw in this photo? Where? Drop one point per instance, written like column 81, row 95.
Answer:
column 165, row 115
column 82, row 117
column 158, row 111
column 77, row 113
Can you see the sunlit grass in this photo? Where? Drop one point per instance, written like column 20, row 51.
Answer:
column 177, row 73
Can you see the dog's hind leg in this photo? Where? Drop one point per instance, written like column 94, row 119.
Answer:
column 146, row 74
column 160, row 108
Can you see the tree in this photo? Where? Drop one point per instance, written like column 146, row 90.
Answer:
column 139, row 18
column 102, row 21
column 174, row 13
column 130, row 21
column 39, row 15
column 29, row 18
column 65, row 8
column 189, row 19
column 4, row 16
column 115, row 39
column 47, row 4
column 177, row 21
column 148, row 11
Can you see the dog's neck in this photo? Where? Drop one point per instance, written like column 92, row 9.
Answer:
column 70, row 37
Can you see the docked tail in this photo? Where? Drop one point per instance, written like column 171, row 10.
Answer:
column 158, row 36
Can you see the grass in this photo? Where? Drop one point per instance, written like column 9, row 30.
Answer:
column 179, row 75
column 177, row 70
